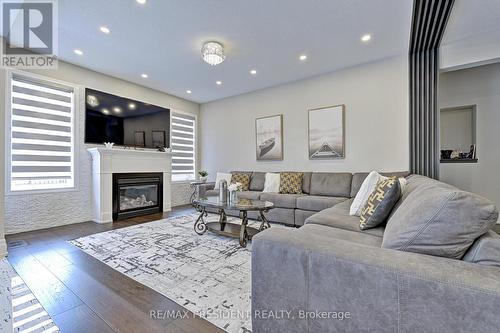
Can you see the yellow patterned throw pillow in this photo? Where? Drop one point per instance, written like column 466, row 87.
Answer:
column 291, row 182
column 380, row 203
column 242, row 178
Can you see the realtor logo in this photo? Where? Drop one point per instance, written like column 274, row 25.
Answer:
column 29, row 30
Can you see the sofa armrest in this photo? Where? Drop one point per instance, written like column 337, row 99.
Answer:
column 382, row 290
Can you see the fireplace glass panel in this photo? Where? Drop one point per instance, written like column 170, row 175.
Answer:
column 138, row 196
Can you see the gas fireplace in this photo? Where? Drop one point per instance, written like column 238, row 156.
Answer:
column 137, row 194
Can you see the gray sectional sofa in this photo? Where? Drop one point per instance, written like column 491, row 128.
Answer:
column 321, row 190
column 328, row 276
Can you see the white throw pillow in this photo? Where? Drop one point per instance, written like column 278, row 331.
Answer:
column 366, row 189
column 221, row 176
column 272, row 183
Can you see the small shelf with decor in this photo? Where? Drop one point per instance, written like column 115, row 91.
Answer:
column 458, row 134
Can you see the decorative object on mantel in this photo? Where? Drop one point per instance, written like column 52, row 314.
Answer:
column 140, row 139
column 326, row 133
column 269, row 138
column 203, row 175
column 159, row 139
column 457, row 156
column 109, row 145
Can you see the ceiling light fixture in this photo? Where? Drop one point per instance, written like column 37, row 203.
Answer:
column 105, row 111
column 303, row 57
column 117, row 109
column 131, row 106
column 253, row 72
column 366, row 38
column 141, row 2
column 218, row 83
column 188, row 91
column 77, row 51
column 105, row 29
column 213, row 53
column 144, row 76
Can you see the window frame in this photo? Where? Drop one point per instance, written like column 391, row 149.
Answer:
column 76, row 117
column 195, row 150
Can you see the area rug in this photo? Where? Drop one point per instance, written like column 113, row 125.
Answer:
column 208, row 274
column 20, row 311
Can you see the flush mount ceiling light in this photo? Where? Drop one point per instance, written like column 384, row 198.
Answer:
column 303, row 57
column 131, row 106
column 78, row 51
column 253, row 72
column 366, row 38
column 105, row 30
column 144, row 76
column 213, row 53
column 188, row 91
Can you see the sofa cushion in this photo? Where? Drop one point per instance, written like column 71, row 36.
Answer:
column 257, row 181
column 242, row 178
column 485, row 250
column 380, row 203
column 338, row 217
column 359, row 177
column 333, row 184
column 252, row 195
column 301, row 216
column 281, row 200
column 281, row 215
column 306, row 182
column 317, row 203
column 437, row 219
column 272, row 183
column 291, row 182
column 336, row 233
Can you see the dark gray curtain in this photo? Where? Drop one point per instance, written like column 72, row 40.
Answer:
column 428, row 24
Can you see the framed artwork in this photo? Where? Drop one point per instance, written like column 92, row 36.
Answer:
column 140, row 139
column 326, row 133
column 159, row 139
column 269, row 138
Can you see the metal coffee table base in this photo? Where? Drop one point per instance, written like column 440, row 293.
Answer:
column 224, row 228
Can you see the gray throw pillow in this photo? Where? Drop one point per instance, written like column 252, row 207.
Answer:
column 485, row 250
column 380, row 203
column 438, row 219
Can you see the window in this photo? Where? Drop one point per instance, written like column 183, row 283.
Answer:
column 183, row 146
column 41, row 135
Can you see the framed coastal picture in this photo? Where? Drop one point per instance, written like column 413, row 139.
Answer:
column 269, row 138
column 326, row 133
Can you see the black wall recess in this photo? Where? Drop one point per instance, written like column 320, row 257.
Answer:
column 428, row 25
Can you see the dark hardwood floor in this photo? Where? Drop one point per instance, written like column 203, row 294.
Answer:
column 84, row 295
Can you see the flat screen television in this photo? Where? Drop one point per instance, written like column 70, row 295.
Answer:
column 124, row 121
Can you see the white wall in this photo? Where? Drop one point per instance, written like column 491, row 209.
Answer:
column 38, row 211
column 479, row 86
column 376, row 110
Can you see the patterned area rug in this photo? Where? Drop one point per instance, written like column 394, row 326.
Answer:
column 20, row 311
column 208, row 274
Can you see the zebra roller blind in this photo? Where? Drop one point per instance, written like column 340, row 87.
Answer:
column 183, row 146
column 41, row 135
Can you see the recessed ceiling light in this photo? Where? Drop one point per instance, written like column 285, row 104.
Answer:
column 131, row 106
column 366, row 38
column 141, row 2
column 117, row 109
column 218, row 82
column 105, row 111
column 303, row 57
column 253, row 72
column 105, row 29
column 144, row 76
column 188, row 91
column 77, row 51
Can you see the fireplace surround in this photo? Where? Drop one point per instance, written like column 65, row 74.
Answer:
column 109, row 162
column 137, row 194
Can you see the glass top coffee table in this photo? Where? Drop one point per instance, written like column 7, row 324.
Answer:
column 241, row 231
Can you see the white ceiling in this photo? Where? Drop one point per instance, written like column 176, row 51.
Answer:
column 472, row 36
column 163, row 39
column 470, row 18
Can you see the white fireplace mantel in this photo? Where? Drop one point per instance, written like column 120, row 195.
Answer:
column 105, row 162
